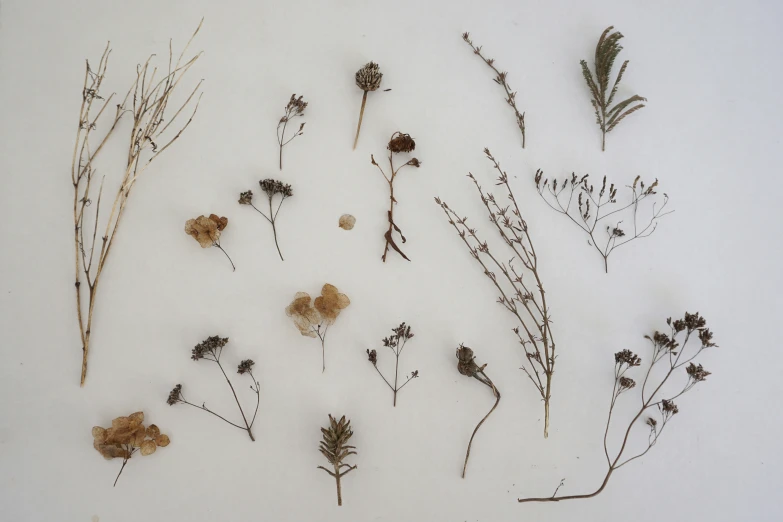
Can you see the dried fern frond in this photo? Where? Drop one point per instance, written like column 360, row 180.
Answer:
column 335, row 448
column 607, row 116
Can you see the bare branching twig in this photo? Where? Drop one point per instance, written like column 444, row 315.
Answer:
column 295, row 107
column 396, row 343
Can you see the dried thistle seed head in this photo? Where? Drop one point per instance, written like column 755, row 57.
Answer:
column 466, row 364
column 369, row 77
column 245, row 366
column 273, row 186
column 697, row 373
column 246, row 198
column 626, row 383
column 204, row 230
column 627, row 357
column 400, row 142
column 210, row 345
column 175, row 395
column 372, row 356
column 347, row 222
column 330, row 303
column 304, row 315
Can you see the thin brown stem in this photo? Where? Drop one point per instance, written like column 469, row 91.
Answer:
column 247, row 425
column 361, row 115
column 495, row 391
column 227, row 256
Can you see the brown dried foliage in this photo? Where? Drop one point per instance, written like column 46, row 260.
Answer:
column 206, row 230
column 313, row 318
column 335, row 448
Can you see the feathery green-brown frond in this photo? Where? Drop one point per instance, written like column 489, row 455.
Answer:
column 335, row 448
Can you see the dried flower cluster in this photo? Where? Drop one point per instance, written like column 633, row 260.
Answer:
column 126, row 436
column 368, row 79
column 296, row 107
column 272, row 188
column 395, row 342
column 207, row 230
column 335, row 448
column 313, row 318
column 211, row 349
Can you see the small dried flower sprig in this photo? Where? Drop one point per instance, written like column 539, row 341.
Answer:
column 368, row 78
column 398, row 144
column 335, row 448
column 591, row 209
column 466, row 365
column 501, row 79
column 395, row 342
column 207, row 230
column 272, row 188
column 313, row 318
column 125, row 437
column 672, row 352
column 211, row 349
column 295, row 107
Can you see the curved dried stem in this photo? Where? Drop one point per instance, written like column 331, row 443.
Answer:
column 482, row 378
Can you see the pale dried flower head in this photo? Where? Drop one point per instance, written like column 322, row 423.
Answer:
column 347, row 222
column 305, row 317
column 369, row 77
column 206, row 230
column 330, row 303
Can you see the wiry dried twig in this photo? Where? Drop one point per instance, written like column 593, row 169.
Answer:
column 396, row 343
column 295, row 107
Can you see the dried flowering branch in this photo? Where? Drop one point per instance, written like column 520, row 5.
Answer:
column 466, row 364
column 271, row 188
column 396, row 342
column 334, row 448
column 314, row 318
column 207, row 230
column 501, row 79
column 607, row 116
column 587, row 212
column 149, row 101
column 399, row 143
column 126, row 436
column 211, row 349
column 521, row 290
column 368, row 78
column 295, row 107
column 667, row 351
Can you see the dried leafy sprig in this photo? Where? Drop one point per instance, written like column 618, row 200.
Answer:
column 398, row 144
column 587, row 213
column 607, row 116
column 335, row 448
column 207, row 230
column 126, row 436
column 149, row 102
column 395, row 342
column 521, row 290
column 313, row 318
column 211, row 349
column 501, row 79
column 295, row 107
column 668, row 354
column 272, row 188
column 466, row 365
column 368, row 78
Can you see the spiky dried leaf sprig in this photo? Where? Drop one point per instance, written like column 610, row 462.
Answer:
column 501, row 78
column 670, row 354
column 396, row 343
column 207, row 230
column 608, row 116
column 154, row 128
column 314, row 317
column 335, row 448
column 295, row 108
column 273, row 189
column 521, row 289
column 368, row 79
column 210, row 349
column 576, row 198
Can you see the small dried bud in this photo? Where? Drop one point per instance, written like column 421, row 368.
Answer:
column 208, row 346
column 401, row 143
column 697, row 373
column 246, row 198
column 245, row 366
column 627, row 357
column 372, row 356
column 272, row 187
column 652, row 423
column 694, row 321
column 369, row 77
column 414, row 374
column 465, row 361
column 296, row 106
column 706, row 338
column 414, row 163
column 669, row 407
column 626, row 383
column 175, row 395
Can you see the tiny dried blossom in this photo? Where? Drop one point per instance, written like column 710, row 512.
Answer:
column 401, row 143
column 273, row 186
column 245, row 366
column 295, row 107
column 206, row 230
column 627, row 357
column 369, row 77
column 668, row 407
column 652, row 423
column 694, row 321
column 175, row 395
column 626, row 383
column 696, row 372
column 211, row 345
column 706, row 338
column 372, row 356
column 246, row 198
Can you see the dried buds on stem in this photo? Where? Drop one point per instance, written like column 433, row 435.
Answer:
column 295, row 107
column 274, row 190
column 395, row 342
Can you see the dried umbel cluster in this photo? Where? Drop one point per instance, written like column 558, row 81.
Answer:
column 608, row 116
column 211, row 349
column 206, row 230
column 518, row 280
column 314, row 317
column 295, row 108
column 275, row 191
column 125, row 437
column 395, row 342
column 156, row 123
column 335, row 448
column 399, row 143
column 577, row 199
column 368, row 79
column 501, row 78
column 672, row 354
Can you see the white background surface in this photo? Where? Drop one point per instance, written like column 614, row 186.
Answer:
column 711, row 134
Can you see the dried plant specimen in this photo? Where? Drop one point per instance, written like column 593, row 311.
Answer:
column 206, row 230
column 590, row 209
column 466, row 365
column 155, row 125
column 607, row 116
column 335, row 448
column 313, row 318
column 125, row 437
column 398, row 144
column 368, row 79
column 395, row 342
column 211, row 349
column 272, row 188
column 295, row 107
column 501, row 79
column 347, row 222
column 521, row 290
column 670, row 355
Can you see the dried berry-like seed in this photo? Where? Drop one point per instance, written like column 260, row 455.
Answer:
column 347, row 222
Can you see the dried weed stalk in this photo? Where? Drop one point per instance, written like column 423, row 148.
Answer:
column 396, row 342
column 607, row 116
column 668, row 356
column 272, row 188
column 398, row 144
column 368, row 78
column 334, row 448
column 295, row 107
column 154, row 127
column 589, row 206
column 501, row 79
column 207, row 230
column 521, row 290
column 211, row 349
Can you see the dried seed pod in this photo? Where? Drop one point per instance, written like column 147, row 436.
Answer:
column 369, row 77
column 148, row 447
column 347, row 222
